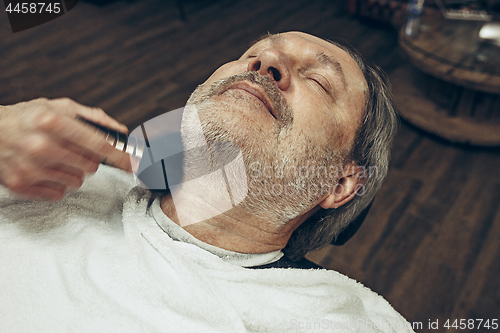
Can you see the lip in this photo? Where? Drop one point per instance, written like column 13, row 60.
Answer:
column 255, row 92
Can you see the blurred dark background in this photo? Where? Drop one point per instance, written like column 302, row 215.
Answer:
column 430, row 244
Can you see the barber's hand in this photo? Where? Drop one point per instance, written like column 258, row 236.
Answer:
column 44, row 150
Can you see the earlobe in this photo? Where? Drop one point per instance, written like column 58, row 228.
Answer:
column 346, row 188
column 328, row 202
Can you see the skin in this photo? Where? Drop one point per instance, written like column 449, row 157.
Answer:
column 325, row 91
column 45, row 151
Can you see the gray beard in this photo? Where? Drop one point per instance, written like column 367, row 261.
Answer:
column 285, row 178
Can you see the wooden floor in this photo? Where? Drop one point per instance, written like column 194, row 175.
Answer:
column 431, row 243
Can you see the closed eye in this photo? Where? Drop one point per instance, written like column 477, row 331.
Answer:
column 319, row 84
column 322, row 82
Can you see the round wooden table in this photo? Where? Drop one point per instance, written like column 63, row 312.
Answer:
column 453, row 87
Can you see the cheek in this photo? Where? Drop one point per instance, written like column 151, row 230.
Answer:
column 351, row 118
column 313, row 118
column 344, row 129
column 329, row 126
column 226, row 70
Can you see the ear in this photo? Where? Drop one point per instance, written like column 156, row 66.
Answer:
column 353, row 178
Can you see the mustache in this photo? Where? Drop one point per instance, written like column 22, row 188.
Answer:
column 278, row 103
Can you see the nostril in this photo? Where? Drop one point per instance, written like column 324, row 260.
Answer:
column 276, row 74
column 257, row 66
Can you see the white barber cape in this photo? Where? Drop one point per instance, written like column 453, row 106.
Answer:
column 101, row 261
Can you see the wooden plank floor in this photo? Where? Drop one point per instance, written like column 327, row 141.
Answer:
column 430, row 244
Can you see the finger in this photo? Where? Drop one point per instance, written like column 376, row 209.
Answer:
column 42, row 152
column 65, row 175
column 94, row 114
column 107, row 154
column 114, row 158
column 81, row 140
column 44, row 190
column 76, row 133
column 98, row 116
column 119, row 160
column 68, row 154
column 48, row 190
column 27, row 174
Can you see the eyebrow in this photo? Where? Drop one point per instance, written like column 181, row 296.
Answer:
column 326, row 60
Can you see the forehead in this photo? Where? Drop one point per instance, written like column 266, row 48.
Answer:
column 296, row 38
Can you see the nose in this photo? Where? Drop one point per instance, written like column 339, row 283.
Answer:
column 272, row 63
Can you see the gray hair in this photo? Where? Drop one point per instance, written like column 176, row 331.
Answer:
column 371, row 150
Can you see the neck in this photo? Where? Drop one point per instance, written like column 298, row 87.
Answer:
column 234, row 230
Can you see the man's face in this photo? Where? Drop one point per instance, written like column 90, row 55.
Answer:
column 291, row 101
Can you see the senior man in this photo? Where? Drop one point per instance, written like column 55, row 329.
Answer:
column 106, row 257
